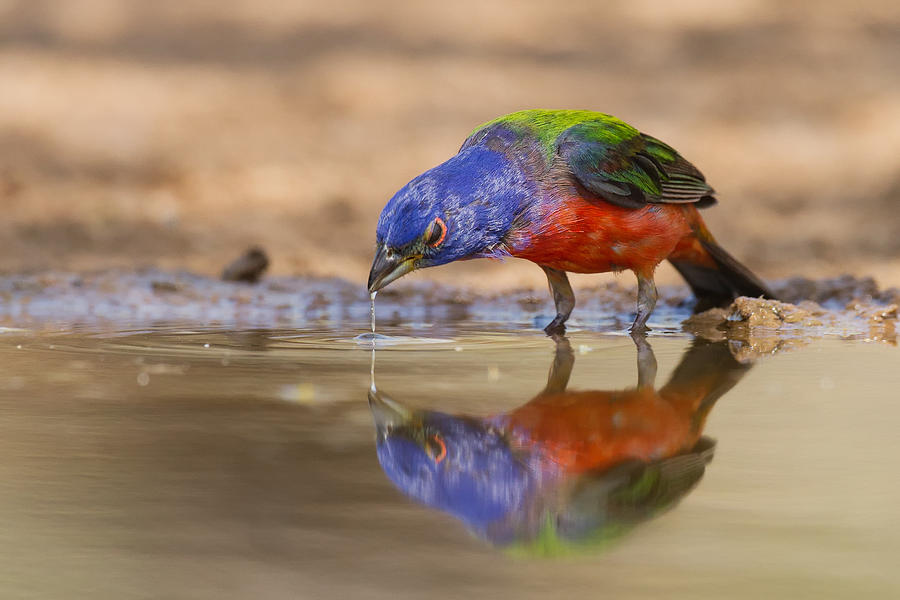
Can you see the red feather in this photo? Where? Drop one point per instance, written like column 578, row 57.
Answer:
column 579, row 236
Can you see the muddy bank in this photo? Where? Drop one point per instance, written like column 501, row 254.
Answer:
column 768, row 326
column 844, row 307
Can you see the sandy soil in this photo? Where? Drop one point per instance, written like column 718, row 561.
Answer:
column 176, row 134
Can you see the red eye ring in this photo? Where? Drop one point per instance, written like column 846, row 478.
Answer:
column 443, row 453
column 438, row 222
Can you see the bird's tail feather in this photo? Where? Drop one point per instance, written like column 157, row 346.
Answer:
column 714, row 276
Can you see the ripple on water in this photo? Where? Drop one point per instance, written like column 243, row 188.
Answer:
column 378, row 339
column 264, row 344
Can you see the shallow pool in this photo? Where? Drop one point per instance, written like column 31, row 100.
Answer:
column 177, row 462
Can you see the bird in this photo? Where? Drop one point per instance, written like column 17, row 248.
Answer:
column 578, row 467
column 573, row 191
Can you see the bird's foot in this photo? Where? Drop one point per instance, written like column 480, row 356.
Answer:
column 556, row 327
column 638, row 330
column 647, row 296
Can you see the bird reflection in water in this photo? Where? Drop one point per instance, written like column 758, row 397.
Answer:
column 569, row 471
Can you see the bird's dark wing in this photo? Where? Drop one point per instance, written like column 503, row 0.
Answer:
column 655, row 487
column 625, row 167
column 611, row 502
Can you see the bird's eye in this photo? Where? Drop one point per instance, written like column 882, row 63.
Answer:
column 436, row 448
column 436, row 232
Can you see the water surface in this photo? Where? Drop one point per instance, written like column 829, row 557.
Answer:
column 178, row 462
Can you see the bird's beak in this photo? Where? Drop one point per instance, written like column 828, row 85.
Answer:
column 387, row 413
column 388, row 266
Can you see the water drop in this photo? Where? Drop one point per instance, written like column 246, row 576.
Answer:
column 372, row 298
column 372, row 371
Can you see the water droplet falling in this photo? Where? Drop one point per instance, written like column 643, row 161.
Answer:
column 372, row 369
column 374, row 342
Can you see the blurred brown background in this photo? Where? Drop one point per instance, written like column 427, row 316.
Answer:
column 176, row 133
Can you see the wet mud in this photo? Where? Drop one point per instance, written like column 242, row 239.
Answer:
column 844, row 307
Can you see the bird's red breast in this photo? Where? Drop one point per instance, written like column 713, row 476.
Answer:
column 579, row 236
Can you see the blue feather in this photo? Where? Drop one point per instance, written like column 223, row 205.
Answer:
column 478, row 193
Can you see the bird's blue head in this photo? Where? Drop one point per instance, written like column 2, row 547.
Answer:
column 459, row 465
column 463, row 208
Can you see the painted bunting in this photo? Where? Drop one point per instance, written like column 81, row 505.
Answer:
column 573, row 191
column 570, row 469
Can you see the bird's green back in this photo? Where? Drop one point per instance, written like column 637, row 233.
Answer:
column 547, row 125
column 609, row 157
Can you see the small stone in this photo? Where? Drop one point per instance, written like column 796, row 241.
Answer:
column 163, row 286
column 249, row 267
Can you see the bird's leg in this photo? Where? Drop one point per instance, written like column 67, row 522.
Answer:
column 646, row 361
column 646, row 301
column 563, row 297
column 561, row 369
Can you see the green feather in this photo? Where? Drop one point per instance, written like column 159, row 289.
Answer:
column 609, row 157
column 548, row 125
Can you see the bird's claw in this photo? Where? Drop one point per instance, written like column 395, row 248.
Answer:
column 638, row 331
column 555, row 328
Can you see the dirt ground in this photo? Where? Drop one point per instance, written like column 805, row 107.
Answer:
column 175, row 134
